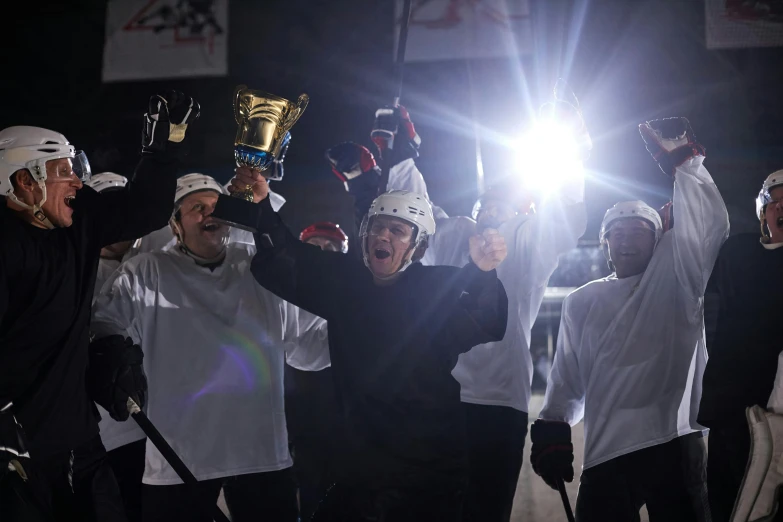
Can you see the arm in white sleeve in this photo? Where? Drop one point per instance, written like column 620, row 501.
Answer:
column 117, row 310
column 538, row 240
column 565, row 394
column 406, row 176
column 306, row 339
column 701, row 225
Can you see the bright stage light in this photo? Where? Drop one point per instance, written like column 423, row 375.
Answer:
column 547, row 158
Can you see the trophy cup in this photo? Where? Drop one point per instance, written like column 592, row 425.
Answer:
column 264, row 121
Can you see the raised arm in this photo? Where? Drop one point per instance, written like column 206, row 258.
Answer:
column 701, row 222
column 294, row 271
column 147, row 202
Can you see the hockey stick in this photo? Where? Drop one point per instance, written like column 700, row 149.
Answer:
column 399, row 69
column 564, row 498
column 168, row 452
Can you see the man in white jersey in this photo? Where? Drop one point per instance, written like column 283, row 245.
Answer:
column 215, row 343
column 630, row 352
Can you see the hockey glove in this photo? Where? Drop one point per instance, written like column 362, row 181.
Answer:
column 13, row 451
column 115, row 373
column 350, row 160
column 393, row 133
column 552, row 454
column 166, row 123
column 671, row 142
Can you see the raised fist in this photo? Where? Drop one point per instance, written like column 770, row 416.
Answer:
column 350, row 160
column 166, row 122
column 671, row 142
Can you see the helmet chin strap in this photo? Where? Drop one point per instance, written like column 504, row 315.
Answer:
column 201, row 261
column 35, row 209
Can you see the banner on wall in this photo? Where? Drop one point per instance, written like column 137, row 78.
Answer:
column 466, row 29
column 744, row 23
column 152, row 39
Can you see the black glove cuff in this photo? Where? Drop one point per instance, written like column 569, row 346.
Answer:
column 550, row 432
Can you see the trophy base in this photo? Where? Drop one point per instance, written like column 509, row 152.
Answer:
column 237, row 212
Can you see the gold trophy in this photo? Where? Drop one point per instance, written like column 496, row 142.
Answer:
column 264, row 121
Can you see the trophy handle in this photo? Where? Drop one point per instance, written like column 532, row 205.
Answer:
column 237, row 93
column 293, row 117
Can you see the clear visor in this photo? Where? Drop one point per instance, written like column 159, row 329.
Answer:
column 396, row 229
column 64, row 168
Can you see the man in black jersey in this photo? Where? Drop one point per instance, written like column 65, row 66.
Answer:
column 52, row 229
column 740, row 373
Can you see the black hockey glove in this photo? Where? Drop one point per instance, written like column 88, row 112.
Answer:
column 671, row 142
column 115, row 373
column 350, row 160
column 166, row 123
column 552, row 454
column 13, row 451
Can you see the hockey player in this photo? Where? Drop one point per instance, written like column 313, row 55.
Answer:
column 326, row 236
column 495, row 378
column 53, row 230
column 222, row 411
column 741, row 369
column 630, row 352
column 394, row 335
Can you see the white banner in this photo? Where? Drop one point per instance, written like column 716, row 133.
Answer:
column 150, row 39
column 466, row 29
column 740, row 23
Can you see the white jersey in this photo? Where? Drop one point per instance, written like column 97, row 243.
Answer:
column 501, row 373
column 214, row 345
column 630, row 352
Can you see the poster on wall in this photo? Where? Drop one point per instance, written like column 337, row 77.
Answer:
column 466, row 29
column 744, row 23
column 155, row 39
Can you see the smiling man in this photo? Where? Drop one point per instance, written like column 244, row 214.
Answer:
column 203, row 324
column 630, row 353
column 395, row 332
column 52, row 230
column 741, row 371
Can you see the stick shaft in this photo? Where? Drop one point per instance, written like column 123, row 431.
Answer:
column 171, row 456
column 399, row 69
column 564, row 498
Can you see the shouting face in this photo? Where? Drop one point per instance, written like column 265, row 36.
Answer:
column 389, row 244
column 774, row 215
column 201, row 234
column 631, row 243
column 61, row 184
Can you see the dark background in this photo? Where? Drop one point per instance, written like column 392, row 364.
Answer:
column 628, row 61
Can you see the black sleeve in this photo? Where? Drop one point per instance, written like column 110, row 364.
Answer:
column 364, row 190
column 143, row 207
column 3, row 289
column 301, row 274
column 481, row 315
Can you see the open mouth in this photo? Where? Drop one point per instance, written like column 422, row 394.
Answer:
column 382, row 253
column 779, row 222
column 210, row 227
column 69, row 200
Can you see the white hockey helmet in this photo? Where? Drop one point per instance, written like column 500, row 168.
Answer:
column 773, row 180
column 107, row 180
column 631, row 209
column 24, row 147
column 196, row 182
column 408, row 206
